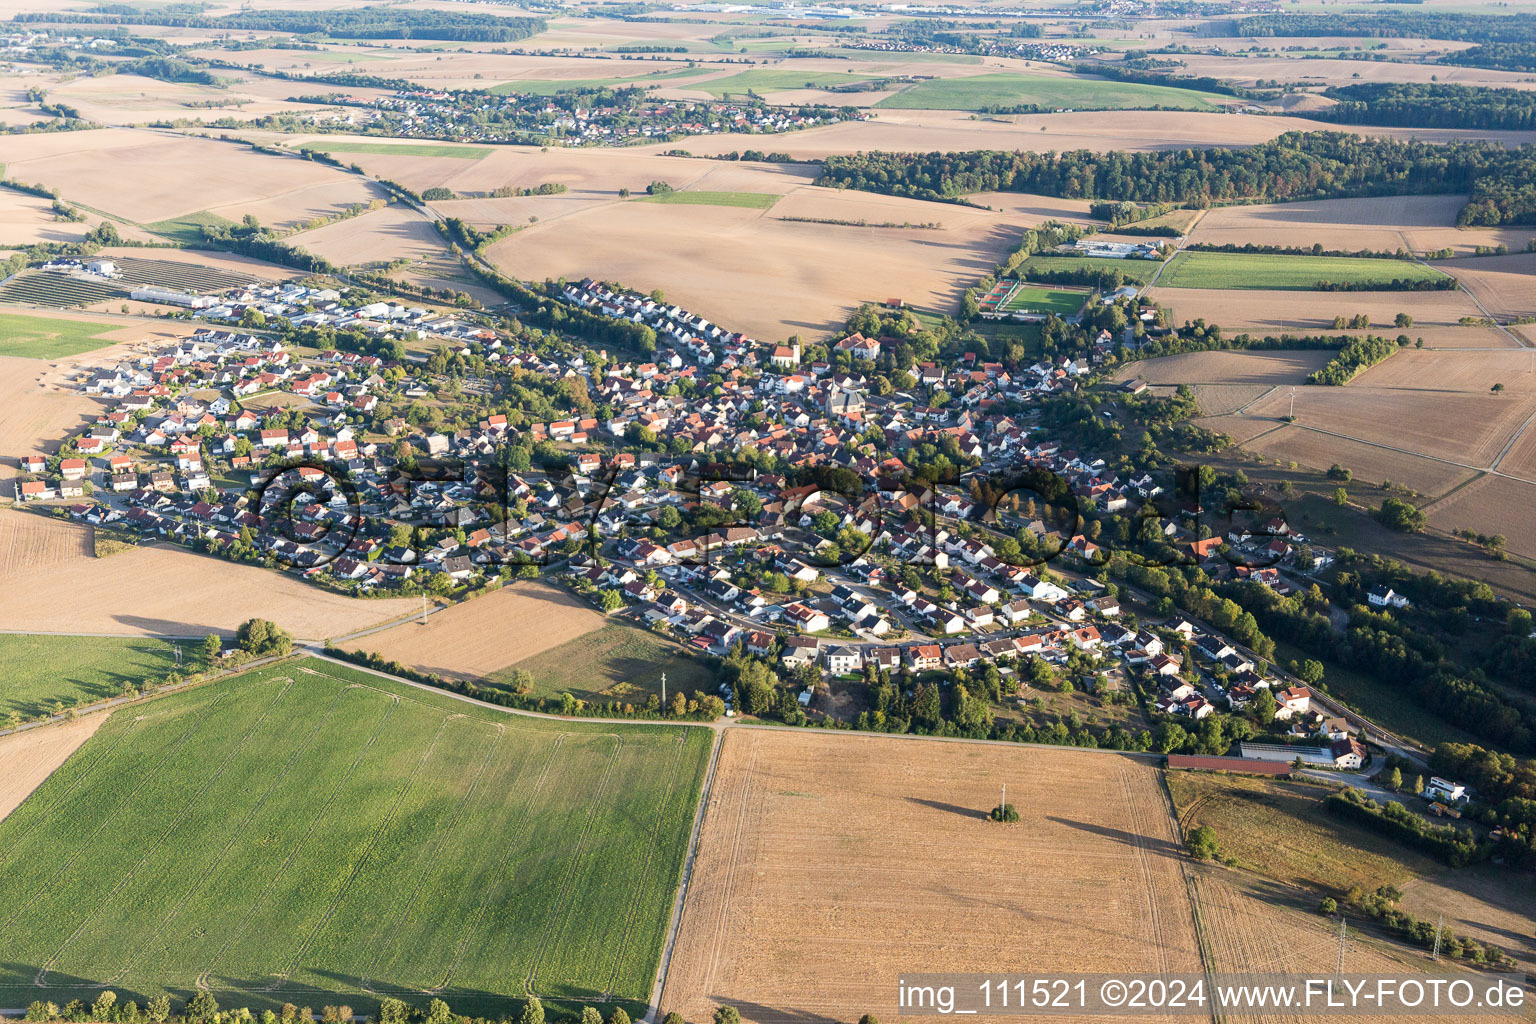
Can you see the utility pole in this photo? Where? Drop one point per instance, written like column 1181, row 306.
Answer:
column 177, row 649
column 1293, row 405
column 1005, row 796
column 1439, row 926
column 423, row 609
column 1338, row 963
column 663, row 691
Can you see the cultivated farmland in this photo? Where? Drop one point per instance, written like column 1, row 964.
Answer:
column 70, row 591
column 27, row 758
column 828, row 864
column 1505, row 285
column 618, row 662
column 1490, row 505
column 42, row 669
column 313, row 833
column 1051, row 92
column 1258, row 366
column 474, row 639
column 35, row 337
column 1436, row 315
column 1240, row 270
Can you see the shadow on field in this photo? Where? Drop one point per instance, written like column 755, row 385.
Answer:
column 939, row 805
column 1149, row 843
column 773, row 1015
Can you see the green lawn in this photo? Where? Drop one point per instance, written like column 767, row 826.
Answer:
column 289, row 834
column 188, row 229
column 42, row 669
column 1136, row 271
column 750, row 200
column 618, row 662
column 1241, row 270
column 546, row 87
column 1036, row 299
column 400, row 149
column 38, row 337
column 776, row 80
column 979, row 92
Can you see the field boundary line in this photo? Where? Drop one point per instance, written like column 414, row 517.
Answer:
column 202, row 978
column 743, row 813
column 159, row 842
column 650, row 855
column 1203, row 947
column 485, row 897
column 680, row 902
column 367, row 854
column 567, row 885
column 434, row 857
column 109, row 817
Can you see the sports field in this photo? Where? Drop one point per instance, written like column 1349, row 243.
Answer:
column 980, row 92
column 36, row 337
column 312, row 833
column 1036, row 299
column 1240, row 270
column 746, row 200
column 42, row 669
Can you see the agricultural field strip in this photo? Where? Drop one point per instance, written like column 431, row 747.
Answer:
column 568, row 881
column 485, row 899
column 107, row 820
column 373, row 840
column 266, row 892
column 650, row 854
column 234, row 837
column 159, row 842
column 82, row 776
column 437, row 850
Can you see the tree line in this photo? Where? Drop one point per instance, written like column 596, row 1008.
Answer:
column 1351, row 359
column 1296, row 165
column 371, row 22
column 1430, row 105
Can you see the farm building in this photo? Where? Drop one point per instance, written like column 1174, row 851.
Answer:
column 1252, row 766
column 1346, row 753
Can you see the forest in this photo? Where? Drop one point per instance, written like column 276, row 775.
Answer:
column 1293, row 166
column 1504, row 41
column 1430, row 105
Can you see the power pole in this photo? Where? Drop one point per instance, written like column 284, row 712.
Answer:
column 1338, row 963
column 423, row 609
column 1004, row 804
column 1439, row 925
column 663, row 691
column 1292, row 416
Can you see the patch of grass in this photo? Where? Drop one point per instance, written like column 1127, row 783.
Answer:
column 42, row 669
column 393, row 149
column 188, row 229
column 1280, row 830
column 1028, row 335
column 618, row 662
column 1241, row 270
column 1038, row 299
column 775, row 80
column 304, row 826
column 979, row 92
column 1135, row 271
column 748, row 200
column 36, row 337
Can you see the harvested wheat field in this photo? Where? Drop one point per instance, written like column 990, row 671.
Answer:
column 1490, row 505
column 32, row 544
column 1246, row 69
column 1263, row 312
column 32, row 420
column 1090, row 880
column 1227, row 367
column 1227, row 399
column 27, row 758
column 159, row 589
column 1520, row 460
column 1505, row 285
column 1486, row 902
column 380, row 236
column 148, row 177
column 26, row 219
column 476, row 638
column 1384, row 224
column 1376, row 465
column 750, row 271
column 1466, row 428
column 1265, row 928
column 1448, row 370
